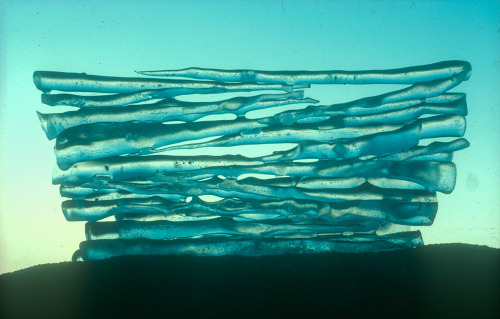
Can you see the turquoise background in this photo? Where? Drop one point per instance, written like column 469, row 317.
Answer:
column 118, row 37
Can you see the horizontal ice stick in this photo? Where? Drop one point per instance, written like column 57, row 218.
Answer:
column 379, row 144
column 374, row 144
column 458, row 107
column 429, row 150
column 47, row 81
column 421, row 93
column 354, row 108
column 102, row 249
column 440, row 157
column 157, row 208
column 163, row 111
column 329, row 131
column 95, row 195
column 93, row 141
column 446, row 103
column 189, row 167
column 123, row 168
column 407, row 75
column 431, row 175
column 436, row 178
column 278, row 188
column 120, row 100
column 220, row 227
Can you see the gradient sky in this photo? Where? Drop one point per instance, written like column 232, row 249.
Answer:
column 118, row 37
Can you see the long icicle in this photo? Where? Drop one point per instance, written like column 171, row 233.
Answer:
column 167, row 110
column 128, row 168
column 47, row 81
column 408, row 75
column 157, row 208
column 102, row 249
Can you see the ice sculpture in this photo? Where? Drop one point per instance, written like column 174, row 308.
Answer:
column 355, row 177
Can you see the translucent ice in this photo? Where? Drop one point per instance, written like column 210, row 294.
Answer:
column 355, row 176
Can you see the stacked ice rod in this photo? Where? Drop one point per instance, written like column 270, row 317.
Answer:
column 354, row 178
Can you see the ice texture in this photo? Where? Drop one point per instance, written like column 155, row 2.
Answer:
column 106, row 248
column 354, row 178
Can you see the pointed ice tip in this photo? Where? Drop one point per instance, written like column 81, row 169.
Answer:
column 144, row 72
column 275, row 156
column 44, row 124
column 40, row 116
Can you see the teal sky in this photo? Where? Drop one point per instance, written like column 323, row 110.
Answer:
column 118, row 37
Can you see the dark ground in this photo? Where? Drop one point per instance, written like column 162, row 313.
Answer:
column 437, row 281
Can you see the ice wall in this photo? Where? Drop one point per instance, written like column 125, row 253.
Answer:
column 355, row 176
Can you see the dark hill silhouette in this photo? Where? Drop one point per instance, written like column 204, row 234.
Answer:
column 436, row 281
